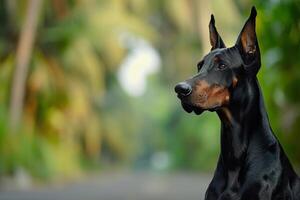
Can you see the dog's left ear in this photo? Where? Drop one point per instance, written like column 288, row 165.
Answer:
column 248, row 45
column 214, row 37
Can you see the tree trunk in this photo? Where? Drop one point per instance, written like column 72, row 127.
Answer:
column 23, row 55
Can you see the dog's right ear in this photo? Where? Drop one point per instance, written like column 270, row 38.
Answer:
column 248, row 45
column 215, row 39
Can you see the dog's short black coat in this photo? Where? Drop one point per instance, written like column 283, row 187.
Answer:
column 252, row 164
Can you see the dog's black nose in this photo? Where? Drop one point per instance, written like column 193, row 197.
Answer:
column 183, row 89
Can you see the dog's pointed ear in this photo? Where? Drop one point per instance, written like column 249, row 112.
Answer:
column 247, row 40
column 215, row 39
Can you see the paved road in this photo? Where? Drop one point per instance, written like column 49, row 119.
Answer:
column 121, row 186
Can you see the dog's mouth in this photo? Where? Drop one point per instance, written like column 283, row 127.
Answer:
column 190, row 108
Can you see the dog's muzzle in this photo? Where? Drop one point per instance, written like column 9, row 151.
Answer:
column 183, row 90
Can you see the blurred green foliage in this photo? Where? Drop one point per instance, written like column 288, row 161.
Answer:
column 76, row 115
column 279, row 28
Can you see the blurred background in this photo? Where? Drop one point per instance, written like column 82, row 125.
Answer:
column 87, row 99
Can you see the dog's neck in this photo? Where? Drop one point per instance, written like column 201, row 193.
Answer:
column 244, row 118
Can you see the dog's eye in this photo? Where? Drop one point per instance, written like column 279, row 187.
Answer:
column 221, row 66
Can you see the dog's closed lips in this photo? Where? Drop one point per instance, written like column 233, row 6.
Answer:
column 187, row 107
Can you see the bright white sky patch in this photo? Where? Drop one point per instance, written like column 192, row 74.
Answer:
column 141, row 61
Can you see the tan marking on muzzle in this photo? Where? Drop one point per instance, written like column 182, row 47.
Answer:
column 209, row 96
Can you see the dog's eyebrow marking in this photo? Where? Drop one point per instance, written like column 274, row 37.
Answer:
column 217, row 58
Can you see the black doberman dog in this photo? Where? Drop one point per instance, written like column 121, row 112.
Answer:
column 252, row 164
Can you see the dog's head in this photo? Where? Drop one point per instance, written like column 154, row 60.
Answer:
column 220, row 71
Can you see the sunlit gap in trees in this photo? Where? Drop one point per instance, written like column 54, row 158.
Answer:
column 141, row 61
